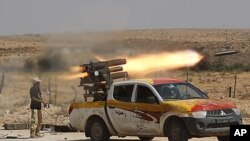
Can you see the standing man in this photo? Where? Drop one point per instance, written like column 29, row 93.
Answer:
column 36, row 104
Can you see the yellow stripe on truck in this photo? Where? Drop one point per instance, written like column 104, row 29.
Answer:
column 182, row 105
column 178, row 106
column 97, row 104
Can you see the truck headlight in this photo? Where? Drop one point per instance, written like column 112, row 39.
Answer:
column 199, row 114
column 236, row 111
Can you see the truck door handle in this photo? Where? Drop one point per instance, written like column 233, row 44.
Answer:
column 111, row 107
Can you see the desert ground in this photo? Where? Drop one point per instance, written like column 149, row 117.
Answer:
column 50, row 56
column 79, row 136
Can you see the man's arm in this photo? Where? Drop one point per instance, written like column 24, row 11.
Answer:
column 38, row 100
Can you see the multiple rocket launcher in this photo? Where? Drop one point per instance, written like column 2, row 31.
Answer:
column 100, row 76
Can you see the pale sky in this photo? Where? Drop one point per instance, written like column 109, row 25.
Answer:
column 59, row 16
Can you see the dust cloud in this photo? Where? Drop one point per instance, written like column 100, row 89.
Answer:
column 62, row 51
column 59, row 52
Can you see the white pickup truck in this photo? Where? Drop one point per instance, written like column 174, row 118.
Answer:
column 154, row 108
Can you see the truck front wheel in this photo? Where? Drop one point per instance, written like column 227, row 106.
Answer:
column 177, row 131
column 98, row 131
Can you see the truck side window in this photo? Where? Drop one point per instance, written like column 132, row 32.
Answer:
column 123, row 93
column 145, row 95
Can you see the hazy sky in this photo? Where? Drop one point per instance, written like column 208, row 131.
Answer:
column 58, row 16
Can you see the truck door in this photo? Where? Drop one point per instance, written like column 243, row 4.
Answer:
column 119, row 108
column 147, row 111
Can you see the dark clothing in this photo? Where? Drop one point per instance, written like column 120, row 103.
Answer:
column 35, row 92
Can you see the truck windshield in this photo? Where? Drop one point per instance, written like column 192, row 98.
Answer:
column 179, row 91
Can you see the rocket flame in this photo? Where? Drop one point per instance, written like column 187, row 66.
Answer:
column 149, row 63
column 73, row 76
column 75, row 69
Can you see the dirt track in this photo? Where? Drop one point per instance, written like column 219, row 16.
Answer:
column 23, row 135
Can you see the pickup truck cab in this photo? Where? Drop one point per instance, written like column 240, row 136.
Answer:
column 155, row 108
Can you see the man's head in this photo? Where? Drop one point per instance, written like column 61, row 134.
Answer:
column 173, row 92
column 36, row 80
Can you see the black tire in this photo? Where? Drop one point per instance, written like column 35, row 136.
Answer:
column 223, row 138
column 98, row 130
column 177, row 131
column 146, row 138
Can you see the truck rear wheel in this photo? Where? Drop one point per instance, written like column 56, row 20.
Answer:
column 146, row 138
column 223, row 138
column 177, row 131
column 98, row 131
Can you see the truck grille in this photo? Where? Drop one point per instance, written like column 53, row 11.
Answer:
column 219, row 112
column 221, row 125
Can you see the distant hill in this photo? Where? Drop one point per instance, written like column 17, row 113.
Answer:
column 113, row 44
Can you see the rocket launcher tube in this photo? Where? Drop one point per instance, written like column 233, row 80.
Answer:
column 100, row 76
column 102, row 65
column 115, row 69
column 119, row 75
column 116, row 62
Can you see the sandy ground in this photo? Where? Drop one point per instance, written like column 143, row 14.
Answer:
column 80, row 48
column 23, row 135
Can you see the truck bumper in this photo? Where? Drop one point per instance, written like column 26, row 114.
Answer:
column 211, row 126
